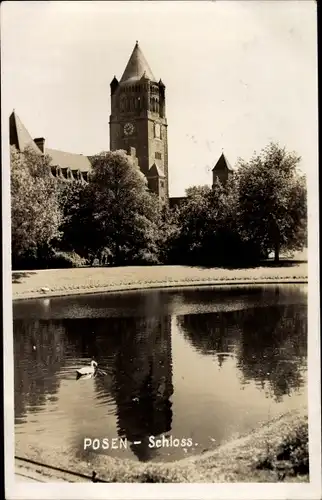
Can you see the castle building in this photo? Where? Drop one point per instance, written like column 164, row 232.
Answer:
column 138, row 119
column 68, row 166
column 138, row 125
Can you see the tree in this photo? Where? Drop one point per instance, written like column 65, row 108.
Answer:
column 272, row 210
column 206, row 227
column 80, row 233
column 169, row 231
column 35, row 211
column 193, row 220
column 124, row 212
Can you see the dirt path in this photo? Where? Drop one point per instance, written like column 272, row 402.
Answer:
column 30, row 284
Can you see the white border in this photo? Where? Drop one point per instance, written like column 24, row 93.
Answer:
column 92, row 491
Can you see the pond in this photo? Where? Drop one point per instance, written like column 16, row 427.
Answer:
column 194, row 366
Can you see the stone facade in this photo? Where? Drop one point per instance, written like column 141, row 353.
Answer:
column 138, row 119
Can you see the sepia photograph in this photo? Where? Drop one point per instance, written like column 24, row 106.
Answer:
column 161, row 257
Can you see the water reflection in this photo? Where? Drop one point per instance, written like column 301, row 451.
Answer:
column 269, row 344
column 137, row 356
column 39, row 350
column 143, row 384
column 135, row 352
column 273, row 348
column 251, row 336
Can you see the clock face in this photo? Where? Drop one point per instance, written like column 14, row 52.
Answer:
column 128, row 129
column 157, row 130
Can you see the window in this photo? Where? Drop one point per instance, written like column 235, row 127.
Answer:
column 158, row 155
column 162, row 184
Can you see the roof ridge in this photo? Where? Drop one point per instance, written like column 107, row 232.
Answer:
column 66, row 152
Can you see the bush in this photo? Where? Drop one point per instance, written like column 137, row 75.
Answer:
column 291, row 455
column 295, row 449
column 145, row 258
column 48, row 259
column 65, row 260
column 33, row 258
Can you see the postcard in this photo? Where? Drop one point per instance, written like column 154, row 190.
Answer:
column 161, row 256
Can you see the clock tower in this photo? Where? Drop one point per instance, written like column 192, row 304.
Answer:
column 138, row 120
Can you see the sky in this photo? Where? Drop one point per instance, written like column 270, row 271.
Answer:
column 238, row 75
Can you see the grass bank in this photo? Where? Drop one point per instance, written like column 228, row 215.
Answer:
column 274, row 452
column 58, row 282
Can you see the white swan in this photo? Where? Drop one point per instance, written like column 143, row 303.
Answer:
column 87, row 370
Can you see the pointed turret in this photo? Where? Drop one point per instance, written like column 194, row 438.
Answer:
column 19, row 135
column 136, row 67
column 114, row 84
column 223, row 164
column 222, row 170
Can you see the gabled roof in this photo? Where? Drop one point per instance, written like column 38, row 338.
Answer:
column 19, row 135
column 69, row 160
column 223, row 164
column 137, row 67
column 155, row 171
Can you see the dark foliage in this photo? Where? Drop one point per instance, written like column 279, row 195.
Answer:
column 114, row 220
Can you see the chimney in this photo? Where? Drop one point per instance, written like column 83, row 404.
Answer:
column 132, row 152
column 40, row 142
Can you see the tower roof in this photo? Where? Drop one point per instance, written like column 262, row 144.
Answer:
column 137, row 67
column 19, row 135
column 223, row 164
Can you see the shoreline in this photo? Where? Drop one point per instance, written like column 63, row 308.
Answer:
column 239, row 459
column 80, row 281
column 159, row 286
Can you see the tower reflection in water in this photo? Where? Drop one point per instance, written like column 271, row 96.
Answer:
column 259, row 336
column 141, row 378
